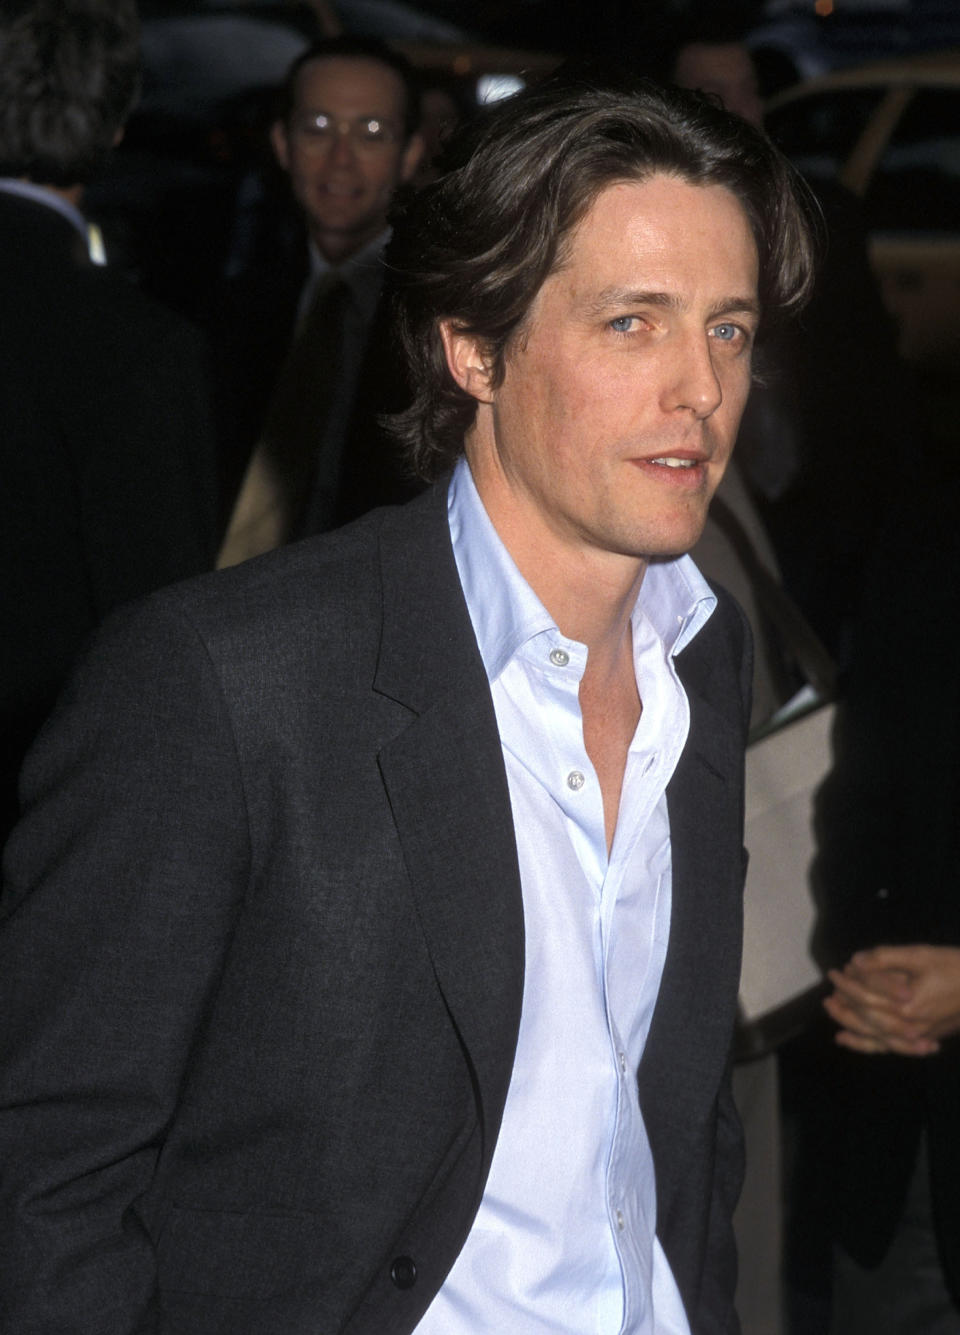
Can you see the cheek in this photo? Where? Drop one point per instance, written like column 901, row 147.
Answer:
column 629, row 375
column 740, row 397
column 383, row 178
column 735, row 382
column 304, row 177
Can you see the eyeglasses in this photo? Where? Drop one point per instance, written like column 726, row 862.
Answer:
column 367, row 134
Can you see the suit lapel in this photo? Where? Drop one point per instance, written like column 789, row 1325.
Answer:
column 447, row 787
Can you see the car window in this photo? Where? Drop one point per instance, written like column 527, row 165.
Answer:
column 917, row 181
column 818, row 132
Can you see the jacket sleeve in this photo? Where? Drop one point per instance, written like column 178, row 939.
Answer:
column 122, row 883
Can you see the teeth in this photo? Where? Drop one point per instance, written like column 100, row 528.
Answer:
column 675, row 463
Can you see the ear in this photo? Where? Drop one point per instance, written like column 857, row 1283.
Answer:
column 466, row 362
column 412, row 153
column 280, row 144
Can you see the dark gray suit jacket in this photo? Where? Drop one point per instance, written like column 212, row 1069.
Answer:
column 262, row 958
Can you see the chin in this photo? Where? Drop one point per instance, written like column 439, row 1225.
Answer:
column 678, row 542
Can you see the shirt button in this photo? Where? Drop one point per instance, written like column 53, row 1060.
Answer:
column 620, row 1221
column 623, row 1064
column 559, row 657
column 575, row 780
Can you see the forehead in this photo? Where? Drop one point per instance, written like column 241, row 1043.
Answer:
column 662, row 232
column 349, row 85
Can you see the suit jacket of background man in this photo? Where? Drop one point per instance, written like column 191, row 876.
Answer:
column 886, row 873
column 261, row 965
column 106, row 459
column 252, row 322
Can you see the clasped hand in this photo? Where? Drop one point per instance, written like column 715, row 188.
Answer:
column 902, row 999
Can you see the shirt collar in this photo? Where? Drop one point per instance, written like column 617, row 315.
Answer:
column 677, row 601
column 505, row 611
column 39, row 194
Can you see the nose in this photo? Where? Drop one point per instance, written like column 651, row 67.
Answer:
column 692, row 384
column 342, row 151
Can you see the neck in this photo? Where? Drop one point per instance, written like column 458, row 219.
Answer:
column 338, row 247
column 590, row 596
column 589, row 592
column 72, row 194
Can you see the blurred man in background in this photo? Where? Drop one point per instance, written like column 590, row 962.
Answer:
column 106, row 449
column 304, row 373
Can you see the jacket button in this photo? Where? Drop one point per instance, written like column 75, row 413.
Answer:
column 403, row 1272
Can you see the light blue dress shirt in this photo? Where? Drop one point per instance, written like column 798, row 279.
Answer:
column 565, row 1238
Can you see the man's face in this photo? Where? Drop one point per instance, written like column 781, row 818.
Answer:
column 725, row 69
column 623, row 389
column 343, row 172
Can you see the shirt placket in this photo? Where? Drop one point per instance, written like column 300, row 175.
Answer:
column 631, row 1215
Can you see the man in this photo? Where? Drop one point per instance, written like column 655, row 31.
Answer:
column 888, row 1096
column 390, row 987
column 105, row 434
column 304, row 374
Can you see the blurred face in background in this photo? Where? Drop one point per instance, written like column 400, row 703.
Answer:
column 725, row 69
column 345, row 150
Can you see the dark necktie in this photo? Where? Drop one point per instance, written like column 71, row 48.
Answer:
column 282, row 472
column 305, row 392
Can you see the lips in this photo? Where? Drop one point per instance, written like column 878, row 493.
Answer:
column 686, row 470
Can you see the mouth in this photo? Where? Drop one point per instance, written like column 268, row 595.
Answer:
column 683, row 461
column 686, row 470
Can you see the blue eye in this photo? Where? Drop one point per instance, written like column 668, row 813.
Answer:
column 725, row 332
column 621, row 325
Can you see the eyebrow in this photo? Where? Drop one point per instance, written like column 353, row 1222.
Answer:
column 622, row 296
